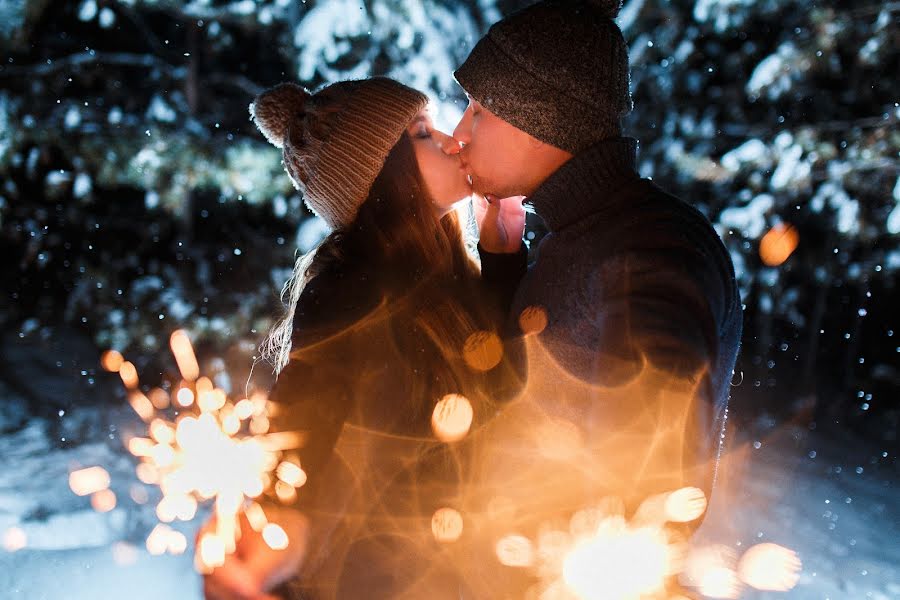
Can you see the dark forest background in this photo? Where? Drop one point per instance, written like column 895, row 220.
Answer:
column 136, row 197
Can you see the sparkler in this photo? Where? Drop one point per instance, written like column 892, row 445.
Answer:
column 201, row 447
column 605, row 557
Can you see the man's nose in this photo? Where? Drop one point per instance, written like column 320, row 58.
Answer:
column 463, row 130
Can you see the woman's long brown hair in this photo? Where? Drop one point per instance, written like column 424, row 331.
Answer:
column 397, row 234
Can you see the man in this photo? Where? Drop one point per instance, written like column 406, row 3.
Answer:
column 631, row 312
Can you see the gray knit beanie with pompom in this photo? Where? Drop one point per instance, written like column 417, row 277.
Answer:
column 335, row 142
column 557, row 70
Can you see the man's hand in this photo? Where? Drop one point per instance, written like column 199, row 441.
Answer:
column 501, row 223
column 255, row 569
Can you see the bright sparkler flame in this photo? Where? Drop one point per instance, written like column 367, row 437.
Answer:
column 215, row 450
column 618, row 563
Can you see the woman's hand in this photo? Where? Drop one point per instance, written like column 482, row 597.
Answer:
column 501, row 223
column 255, row 569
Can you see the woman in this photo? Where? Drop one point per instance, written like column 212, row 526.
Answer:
column 386, row 317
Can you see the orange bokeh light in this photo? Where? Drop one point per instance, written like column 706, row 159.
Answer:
column 778, row 244
column 483, row 350
column 446, row 525
column 452, row 418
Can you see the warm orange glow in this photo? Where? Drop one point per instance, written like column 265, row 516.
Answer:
column 129, row 375
column 159, row 398
column 285, row 492
column 163, row 455
column 618, row 562
column 141, row 405
column 212, row 550
column 243, row 409
column 165, row 510
column 515, row 551
column 778, row 244
column 158, row 540
column 111, row 361
column 147, row 473
column 275, row 537
column 203, row 385
column 533, row 320
column 177, row 543
column 446, row 525
column 259, row 425
column 184, row 397
column 161, row 431
column 291, row 474
column 202, row 456
column 256, row 516
column 103, row 501
column 181, row 347
column 770, row 567
column 452, row 418
column 483, row 350
column 14, row 539
column 87, row 481
column 140, row 446
column 710, row 569
column 685, row 505
column 231, row 424
column 212, row 400
column 720, row 582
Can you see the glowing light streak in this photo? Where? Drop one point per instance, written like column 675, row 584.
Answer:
column 129, row 376
column 243, row 409
column 256, row 516
column 87, row 481
column 291, row 474
column 159, row 398
column 181, row 347
column 103, row 501
column 111, row 361
column 275, row 537
column 161, row 431
column 212, row 550
column 769, row 567
column 158, row 540
column 205, row 453
column 141, row 405
column 452, row 418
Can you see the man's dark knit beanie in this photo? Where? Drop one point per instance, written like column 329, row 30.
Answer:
column 557, row 70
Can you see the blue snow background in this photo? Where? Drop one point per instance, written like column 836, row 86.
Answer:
column 136, row 198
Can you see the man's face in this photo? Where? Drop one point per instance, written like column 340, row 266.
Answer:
column 495, row 153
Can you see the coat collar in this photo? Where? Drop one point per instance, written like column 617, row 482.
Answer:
column 583, row 185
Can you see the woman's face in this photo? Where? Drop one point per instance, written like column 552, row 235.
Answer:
column 438, row 157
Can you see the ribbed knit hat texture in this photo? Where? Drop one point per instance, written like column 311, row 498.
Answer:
column 557, row 70
column 335, row 141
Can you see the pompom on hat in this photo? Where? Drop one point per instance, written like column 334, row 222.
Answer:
column 557, row 69
column 335, row 141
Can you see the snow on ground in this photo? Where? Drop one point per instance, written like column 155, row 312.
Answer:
column 800, row 489
column 828, row 496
